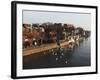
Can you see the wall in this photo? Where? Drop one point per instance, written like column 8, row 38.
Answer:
column 5, row 40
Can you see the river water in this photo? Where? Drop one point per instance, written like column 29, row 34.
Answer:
column 76, row 57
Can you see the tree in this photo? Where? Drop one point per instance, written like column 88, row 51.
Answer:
column 80, row 30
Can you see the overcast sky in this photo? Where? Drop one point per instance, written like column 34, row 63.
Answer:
column 77, row 19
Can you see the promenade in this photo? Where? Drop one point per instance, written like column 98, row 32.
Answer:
column 43, row 48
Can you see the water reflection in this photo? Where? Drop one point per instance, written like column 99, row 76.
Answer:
column 60, row 57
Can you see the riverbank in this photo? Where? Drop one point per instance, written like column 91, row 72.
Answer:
column 47, row 47
column 44, row 48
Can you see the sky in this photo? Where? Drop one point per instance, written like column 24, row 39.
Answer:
column 77, row 19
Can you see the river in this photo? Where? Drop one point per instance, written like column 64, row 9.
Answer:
column 76, row 57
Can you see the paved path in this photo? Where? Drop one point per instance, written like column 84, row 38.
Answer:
column 42, row 49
